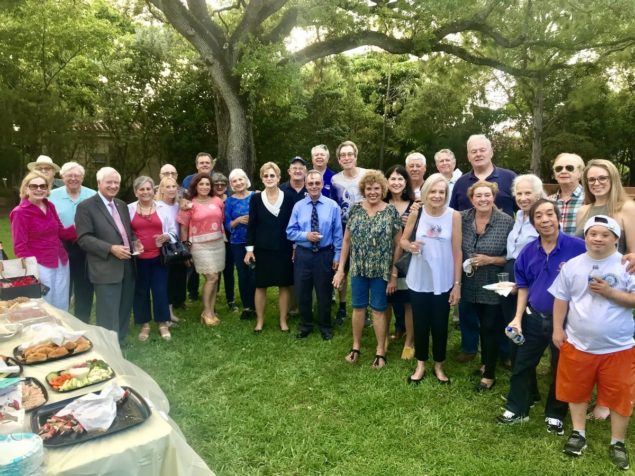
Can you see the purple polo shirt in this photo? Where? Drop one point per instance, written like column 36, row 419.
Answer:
column 504, row 199
column 536, row 270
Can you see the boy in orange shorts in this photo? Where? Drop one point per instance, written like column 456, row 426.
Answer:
column 596, row 296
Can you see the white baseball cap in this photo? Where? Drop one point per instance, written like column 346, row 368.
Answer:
column 605, row 221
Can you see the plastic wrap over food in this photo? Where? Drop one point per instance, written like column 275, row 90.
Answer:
column 49, row 333
column 95, row 412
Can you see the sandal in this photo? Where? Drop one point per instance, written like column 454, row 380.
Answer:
column 379, row 362
column 145, row 332
column 209, row 320
column 352, row 356
column 165, row 332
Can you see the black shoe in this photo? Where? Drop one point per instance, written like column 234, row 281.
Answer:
column 327, row 336
column 247, row 315
column 619, row 455
column 555, row 426
column 483, row 387
column 510, row 418
column 340, row 316
column 302, row 334
column 232, row 307
column 575, row 445
column 415, row 381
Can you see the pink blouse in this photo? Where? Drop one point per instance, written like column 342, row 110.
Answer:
column 204, row 221
column 39, row 234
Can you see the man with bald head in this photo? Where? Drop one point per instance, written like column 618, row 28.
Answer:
column 480, row 154
column 168, row 170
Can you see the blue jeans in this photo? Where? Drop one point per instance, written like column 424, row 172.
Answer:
column 152, row 277
column 361, row 287
column 246, row 277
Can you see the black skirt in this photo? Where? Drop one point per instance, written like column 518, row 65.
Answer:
column 273, row 268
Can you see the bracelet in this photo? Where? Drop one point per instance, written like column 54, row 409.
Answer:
column 457, row 283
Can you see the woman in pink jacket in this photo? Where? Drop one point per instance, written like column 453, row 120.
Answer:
column 37, row 231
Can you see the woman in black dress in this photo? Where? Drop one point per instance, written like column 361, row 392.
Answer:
column 267, row 244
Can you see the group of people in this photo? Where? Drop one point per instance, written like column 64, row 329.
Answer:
column 412, row 246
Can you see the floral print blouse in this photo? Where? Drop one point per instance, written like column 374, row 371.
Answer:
column 371, row 250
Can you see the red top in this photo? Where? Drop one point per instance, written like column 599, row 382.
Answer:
column 39, row 234
column 146, row 227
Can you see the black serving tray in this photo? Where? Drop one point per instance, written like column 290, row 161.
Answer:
column 132, row 412
column 112, row 376
column 39, row 384
column 17, row 354
column 10, row 361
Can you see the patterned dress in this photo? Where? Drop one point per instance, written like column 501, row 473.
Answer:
column 372, row 241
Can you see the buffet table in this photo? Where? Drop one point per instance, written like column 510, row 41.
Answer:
column 155, row 447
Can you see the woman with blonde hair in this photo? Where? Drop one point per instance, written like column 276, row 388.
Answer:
column 372, row 235
column 267, row 245
column 37, row 231
column 434, row 274
column 605, row 195
column 167, row 194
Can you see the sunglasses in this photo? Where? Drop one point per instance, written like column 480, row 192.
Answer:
column 558, row 168
column 220, row 184
column 35, row 186
column 269, row 176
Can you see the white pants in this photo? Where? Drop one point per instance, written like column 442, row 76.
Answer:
column 58, row 279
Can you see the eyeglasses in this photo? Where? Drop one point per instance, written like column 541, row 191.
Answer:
column 269, row 176
column 36, row 186
column 558, row 168
column 168, row 173
column 601, row 179
column 347, row 154
column 313, row 184
column 43, row 169
column 220, row 185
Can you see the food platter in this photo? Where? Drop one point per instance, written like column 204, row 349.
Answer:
column 131, row 412
column 84, row 374
column 21, row 355
column 11, row 362
column 35, row 401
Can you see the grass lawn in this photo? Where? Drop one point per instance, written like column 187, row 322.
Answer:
column 269, row 404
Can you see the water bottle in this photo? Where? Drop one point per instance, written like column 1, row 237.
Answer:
column 595, row 273
column 513, row 335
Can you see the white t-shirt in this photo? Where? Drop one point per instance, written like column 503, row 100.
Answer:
column 432, row 271
column 595, row 324
column 345, row 191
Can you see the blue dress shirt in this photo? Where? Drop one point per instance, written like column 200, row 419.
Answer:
column 329, row 218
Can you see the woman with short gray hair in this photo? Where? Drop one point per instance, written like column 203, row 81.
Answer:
column 153, row 224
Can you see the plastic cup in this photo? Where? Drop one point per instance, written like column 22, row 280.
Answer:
column 503, row 277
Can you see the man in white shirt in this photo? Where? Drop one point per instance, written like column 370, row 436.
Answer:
column 345, row 191
column 445, row 162
column 416, row 167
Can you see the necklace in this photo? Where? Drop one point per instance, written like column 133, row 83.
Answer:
column 145, row 212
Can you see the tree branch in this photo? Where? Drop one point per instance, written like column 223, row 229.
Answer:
column 256, row 13
column 200, row 11
column 284, row 26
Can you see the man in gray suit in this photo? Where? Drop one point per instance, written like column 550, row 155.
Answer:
column 104, row 233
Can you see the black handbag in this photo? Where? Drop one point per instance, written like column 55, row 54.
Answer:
column 173, row 252
column 403, row 263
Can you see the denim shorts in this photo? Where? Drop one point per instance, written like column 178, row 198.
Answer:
column 361, row 287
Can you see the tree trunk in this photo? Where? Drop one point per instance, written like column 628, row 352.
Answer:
column 235, row 138
column 538, row 110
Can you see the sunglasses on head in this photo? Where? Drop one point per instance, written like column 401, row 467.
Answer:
column 569, row 168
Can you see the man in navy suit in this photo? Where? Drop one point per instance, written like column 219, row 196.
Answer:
column 104, row 233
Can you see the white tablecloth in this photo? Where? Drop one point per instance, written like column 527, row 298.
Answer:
column 155, row 447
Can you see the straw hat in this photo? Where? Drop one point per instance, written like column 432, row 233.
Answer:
column 43, row 160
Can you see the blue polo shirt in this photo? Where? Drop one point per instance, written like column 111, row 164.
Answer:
column 536, row 270
column 504, row 199
column 66, row 206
